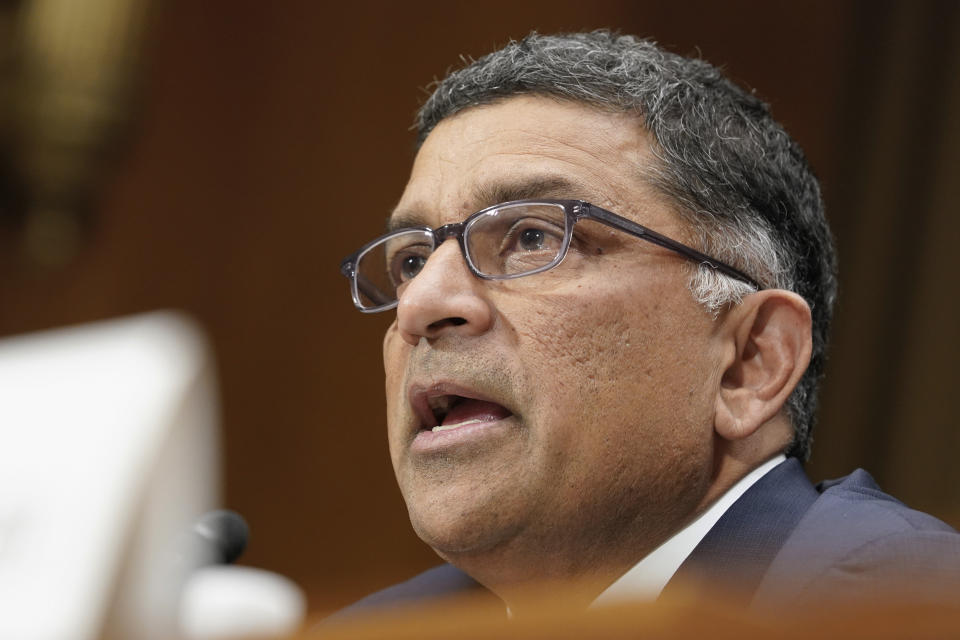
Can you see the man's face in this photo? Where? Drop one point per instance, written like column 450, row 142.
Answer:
column 576, row 406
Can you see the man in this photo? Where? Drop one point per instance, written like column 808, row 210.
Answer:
column 613, row 283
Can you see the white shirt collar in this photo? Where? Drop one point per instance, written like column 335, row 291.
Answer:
column 647, row 578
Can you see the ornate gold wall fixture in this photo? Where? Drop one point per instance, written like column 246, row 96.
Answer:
column 74, row 69
column 9, row 208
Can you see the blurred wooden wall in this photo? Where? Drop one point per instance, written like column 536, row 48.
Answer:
column 273, row 139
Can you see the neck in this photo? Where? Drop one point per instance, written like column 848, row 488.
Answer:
column 586, row 555
column 557, row 566
column 734, row 459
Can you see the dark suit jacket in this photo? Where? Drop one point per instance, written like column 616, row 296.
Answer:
column 785, row 540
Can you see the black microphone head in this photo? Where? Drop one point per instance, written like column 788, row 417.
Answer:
column 226, row 533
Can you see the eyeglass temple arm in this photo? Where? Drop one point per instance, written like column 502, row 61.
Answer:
column 587, row 210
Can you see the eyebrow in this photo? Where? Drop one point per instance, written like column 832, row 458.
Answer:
column 489, row 194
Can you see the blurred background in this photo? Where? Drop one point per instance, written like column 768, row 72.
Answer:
column 222, row 157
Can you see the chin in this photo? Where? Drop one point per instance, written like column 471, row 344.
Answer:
column 453, row 532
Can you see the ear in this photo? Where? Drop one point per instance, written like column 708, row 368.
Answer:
column 768, row 345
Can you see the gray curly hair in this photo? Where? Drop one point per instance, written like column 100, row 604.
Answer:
column 739, row 180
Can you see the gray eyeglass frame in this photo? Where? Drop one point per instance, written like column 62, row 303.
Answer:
column 574, row 210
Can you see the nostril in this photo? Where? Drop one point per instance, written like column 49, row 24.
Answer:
column 448, row 322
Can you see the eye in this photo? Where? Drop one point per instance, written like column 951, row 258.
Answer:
column 532, row 239
column 532, row 235
column 411, row 266
column 516, row 239
column 407, row 263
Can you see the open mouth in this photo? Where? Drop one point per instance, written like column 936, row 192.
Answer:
column 452, row 411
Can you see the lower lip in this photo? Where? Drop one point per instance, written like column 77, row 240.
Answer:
column 427, row 440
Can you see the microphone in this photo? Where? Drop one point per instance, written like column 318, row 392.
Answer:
column 218, row 601
column 224, row 534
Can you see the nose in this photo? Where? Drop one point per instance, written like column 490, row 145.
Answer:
column 444, row 298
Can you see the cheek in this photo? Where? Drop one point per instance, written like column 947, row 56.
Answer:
column 612, row 380
column 616, row 366
column 571, row 345
column 587, row 343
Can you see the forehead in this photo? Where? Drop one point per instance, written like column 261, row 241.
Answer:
column 528, row 147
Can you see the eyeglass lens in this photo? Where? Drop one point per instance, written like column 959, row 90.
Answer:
column 507, row 241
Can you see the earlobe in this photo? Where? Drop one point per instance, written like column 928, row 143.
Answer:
column 768, row 342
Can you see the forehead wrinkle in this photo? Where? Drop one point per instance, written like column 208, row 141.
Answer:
column 491, row 175
column 617, row 137
column 624, row 136
column 589, row 157
column 549, row 174
column 612, row 189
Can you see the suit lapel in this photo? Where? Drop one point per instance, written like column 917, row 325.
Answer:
column 737, row 551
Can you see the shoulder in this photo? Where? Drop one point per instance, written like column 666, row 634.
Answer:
column 856, row 539
column 852, row 513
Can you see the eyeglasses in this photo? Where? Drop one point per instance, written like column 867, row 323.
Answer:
column 502, row 242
